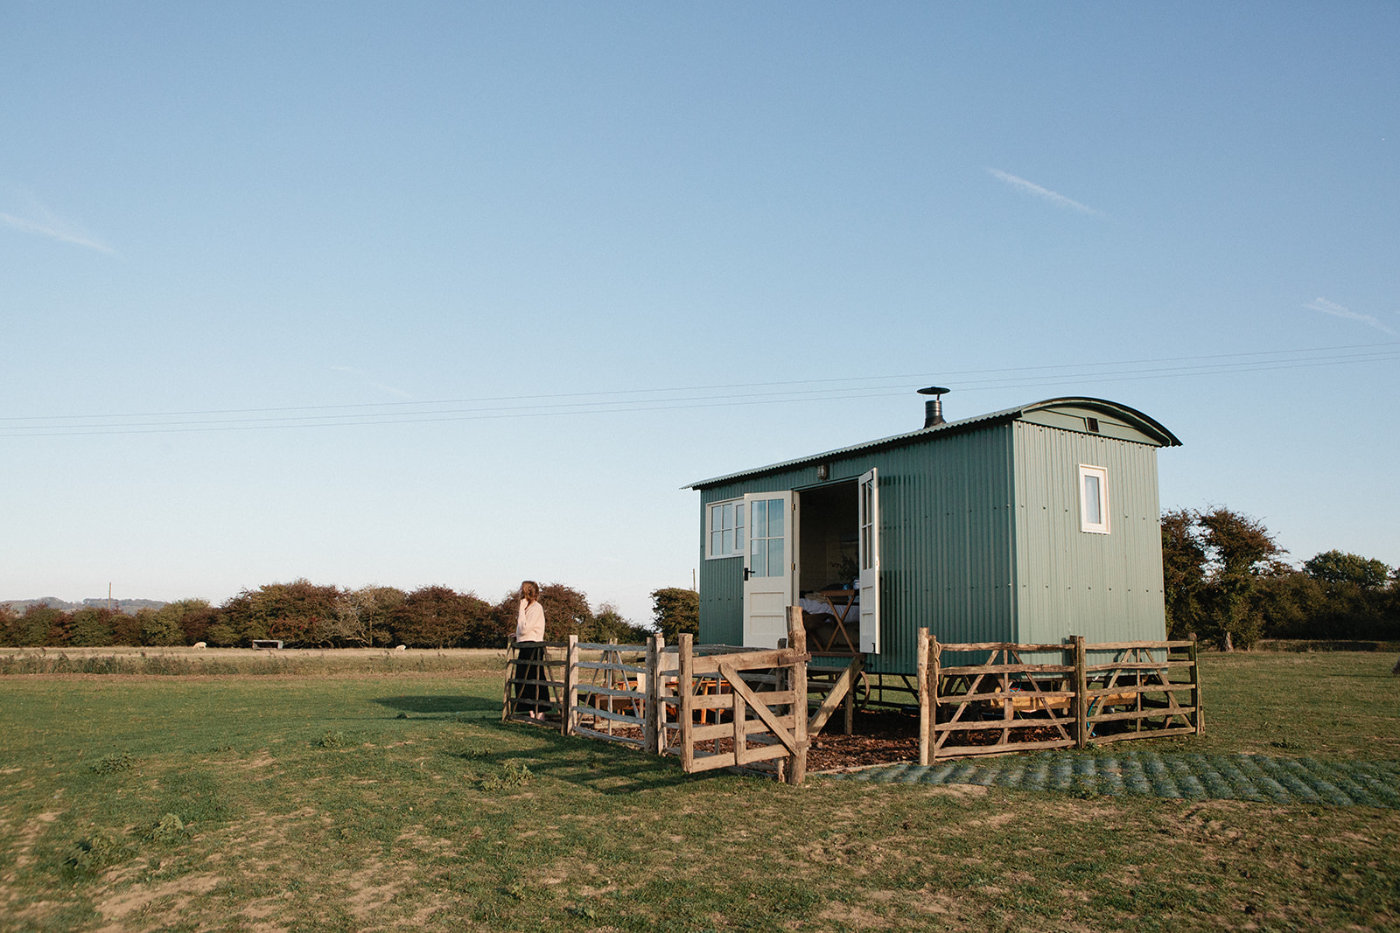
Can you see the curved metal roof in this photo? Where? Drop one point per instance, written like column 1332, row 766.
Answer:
column 1144, row 424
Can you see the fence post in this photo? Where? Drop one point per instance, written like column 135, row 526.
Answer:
column 797, row 641
column 651, row 734
column 783, row 677
column 1081, row 688
column 925, row 708
column 1196, row 687
column 610, row 656
column 570, row 686
column 686, row 702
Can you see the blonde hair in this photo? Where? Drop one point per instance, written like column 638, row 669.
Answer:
column 530, row 590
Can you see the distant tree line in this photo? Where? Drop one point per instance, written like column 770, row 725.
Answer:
column 1225, row 579
column 302, row 614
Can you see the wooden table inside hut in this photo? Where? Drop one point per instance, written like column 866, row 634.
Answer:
column 825, row 637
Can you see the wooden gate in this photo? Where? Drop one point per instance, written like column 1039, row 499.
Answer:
column 1001, row 703
column 618, row 701
column 743, row 708
column 1000, row 697
column 1137, row 691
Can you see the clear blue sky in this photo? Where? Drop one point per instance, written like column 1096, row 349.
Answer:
column 419, row 293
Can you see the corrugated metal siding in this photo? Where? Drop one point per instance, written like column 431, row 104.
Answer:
column 721, row 591
column 980, row 540
column 1070, row 582
column 946, row 544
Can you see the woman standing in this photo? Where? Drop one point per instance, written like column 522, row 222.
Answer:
column 531, row 697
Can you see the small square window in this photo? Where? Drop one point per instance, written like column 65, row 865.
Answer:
column 726, row 529
column 1093, row 499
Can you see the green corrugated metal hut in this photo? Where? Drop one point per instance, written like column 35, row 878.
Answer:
column 1024, row 525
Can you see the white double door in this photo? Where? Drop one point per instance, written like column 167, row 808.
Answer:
column 770, row 564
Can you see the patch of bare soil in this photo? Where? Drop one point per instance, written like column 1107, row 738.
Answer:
column 29, row 834
column 175, row 896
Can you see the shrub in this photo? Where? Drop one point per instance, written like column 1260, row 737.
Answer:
column 95, row 853
column 609, row 625
column 9, row 627
column 159, row 629
column 438, row 617
column 91, row 628
column 292, row 612
column 510, row 775
column 222, row 635
column 363, row 617
column 110, row 764
column 676, row 611
column 333, row 740
column 169, row 828
column 40, row 625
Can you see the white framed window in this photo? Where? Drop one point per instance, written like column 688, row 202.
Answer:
column 1093, row 499
column 724, row 526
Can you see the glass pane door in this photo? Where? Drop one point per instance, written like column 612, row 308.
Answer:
column 766, row 524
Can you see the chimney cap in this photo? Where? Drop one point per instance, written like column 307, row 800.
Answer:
column 933, row 408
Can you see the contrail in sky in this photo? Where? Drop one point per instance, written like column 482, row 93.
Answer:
column 55, row 229
column 1030, row 187
column 1336, row 310
column 380, row 386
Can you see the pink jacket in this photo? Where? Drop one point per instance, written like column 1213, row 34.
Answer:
column 530, row 624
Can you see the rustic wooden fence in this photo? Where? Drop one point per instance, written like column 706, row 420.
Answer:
column 1001, row 702
column 715, row 706
column 712, row 706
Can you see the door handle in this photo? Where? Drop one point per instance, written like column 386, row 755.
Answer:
column 747, row 573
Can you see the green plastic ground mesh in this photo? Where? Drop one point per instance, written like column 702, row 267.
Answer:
column 1152, row 774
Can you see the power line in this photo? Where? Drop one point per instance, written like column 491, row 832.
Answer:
column 679, row 397
column 943, row 373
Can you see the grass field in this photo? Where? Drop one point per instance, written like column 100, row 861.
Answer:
column 382, row 793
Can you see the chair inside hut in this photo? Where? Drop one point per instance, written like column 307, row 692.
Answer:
column 828, row 575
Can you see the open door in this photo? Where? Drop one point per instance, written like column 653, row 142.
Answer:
column 868, row 516
column 768, row 567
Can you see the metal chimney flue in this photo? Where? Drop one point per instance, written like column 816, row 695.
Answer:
column 933, row 408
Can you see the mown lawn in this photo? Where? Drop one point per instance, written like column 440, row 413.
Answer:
column 358, row 799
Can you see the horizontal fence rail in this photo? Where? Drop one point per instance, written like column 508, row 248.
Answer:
column 990, row 698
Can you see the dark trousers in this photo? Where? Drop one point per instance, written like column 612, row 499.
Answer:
column 531, row 697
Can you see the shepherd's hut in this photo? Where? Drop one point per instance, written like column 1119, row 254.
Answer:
column 1024, row 525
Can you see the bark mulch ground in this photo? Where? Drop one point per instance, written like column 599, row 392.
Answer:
column 876, row 739
column 887, row 738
